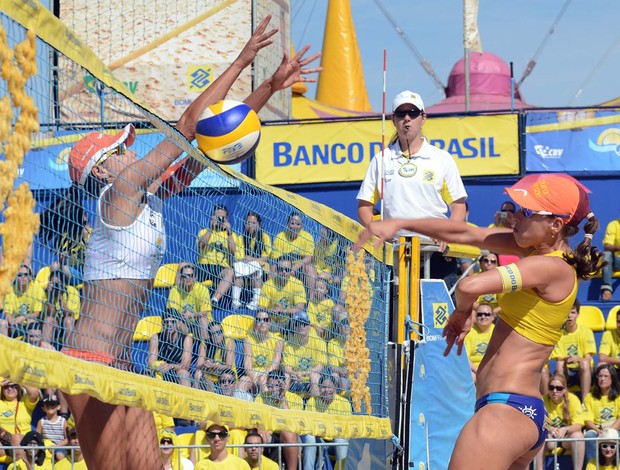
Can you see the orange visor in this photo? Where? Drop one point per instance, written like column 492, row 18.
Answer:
column 555, row 194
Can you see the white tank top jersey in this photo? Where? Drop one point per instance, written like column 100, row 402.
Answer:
column 131, row 252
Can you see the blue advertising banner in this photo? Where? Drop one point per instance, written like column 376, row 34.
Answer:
column 46, row 165
column 580, row 142
column 443, row 394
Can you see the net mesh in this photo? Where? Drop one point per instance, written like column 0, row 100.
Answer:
column 229, row 288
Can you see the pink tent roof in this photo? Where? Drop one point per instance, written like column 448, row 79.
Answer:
column 489, row 89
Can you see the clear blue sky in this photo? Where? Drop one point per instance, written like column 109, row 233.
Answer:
column 582, row 53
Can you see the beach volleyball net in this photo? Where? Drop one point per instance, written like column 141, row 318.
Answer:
column 326, row 306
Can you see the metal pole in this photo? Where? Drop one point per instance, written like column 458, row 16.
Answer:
column 466, row 52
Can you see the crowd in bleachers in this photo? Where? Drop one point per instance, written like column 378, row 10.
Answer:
column 255, row 316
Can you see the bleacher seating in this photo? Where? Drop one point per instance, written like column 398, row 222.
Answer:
column 184, row 439
column 610, row 324
column 592, row 317
column 237, row 326
column 147, row 327
column 166, row 276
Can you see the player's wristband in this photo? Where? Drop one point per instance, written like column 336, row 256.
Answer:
column 511, row 278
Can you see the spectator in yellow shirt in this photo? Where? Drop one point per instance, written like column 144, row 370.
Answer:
column 601, row 405
column 488, row 262
column 23, row 305
column 330, row 403
column 62, row 307
column 220, row 458
column 262, row 351
column 192, row 300
column 304, row 357
column 283, row 295
column 574, row 353
column 217, row 250
column 611, row 245
column 28, row 459
column 320, row 310
column 565, row 421
column 78, row 462
column 505, row 217
column 17, row 404
column 477, row 340
column 336, row 358
column 299, row 244
column 607, row 452
column 329, row 265
column 609, row 349
column 274, row 394
column 254, row 454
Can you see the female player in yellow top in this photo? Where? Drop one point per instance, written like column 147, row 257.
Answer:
column 538, row 293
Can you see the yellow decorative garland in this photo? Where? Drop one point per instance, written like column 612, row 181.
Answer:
column 359, row 300
column 21, row 223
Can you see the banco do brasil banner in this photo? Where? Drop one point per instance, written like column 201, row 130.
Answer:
column 341, row 151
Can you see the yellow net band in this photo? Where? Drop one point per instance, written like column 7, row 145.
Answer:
column 114, row 386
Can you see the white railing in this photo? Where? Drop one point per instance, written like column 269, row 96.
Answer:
column 586, row 440
column 319, row 445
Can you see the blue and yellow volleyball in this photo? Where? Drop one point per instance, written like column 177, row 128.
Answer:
column 229, row 132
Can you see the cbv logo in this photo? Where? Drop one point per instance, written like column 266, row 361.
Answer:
column 544, row 151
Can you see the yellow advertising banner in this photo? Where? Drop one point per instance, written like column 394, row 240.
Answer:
column 341, row 151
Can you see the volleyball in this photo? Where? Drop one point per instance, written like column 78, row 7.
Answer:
column 229, row 132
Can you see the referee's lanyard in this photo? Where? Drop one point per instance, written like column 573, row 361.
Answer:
column 407, row 169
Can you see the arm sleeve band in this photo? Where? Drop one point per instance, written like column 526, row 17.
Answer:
column 511, row 278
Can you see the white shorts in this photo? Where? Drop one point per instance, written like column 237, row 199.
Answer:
column 247, row 268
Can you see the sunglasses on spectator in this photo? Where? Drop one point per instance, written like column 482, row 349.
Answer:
column 483, row 314
column 412, row 113
column 23, row 275
column 166, row 442
column 528, row 213
column 262, row 319
column 608, row 446
column 8, row 386
column 558, row 388
column 488, row 260
column 214, row 434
